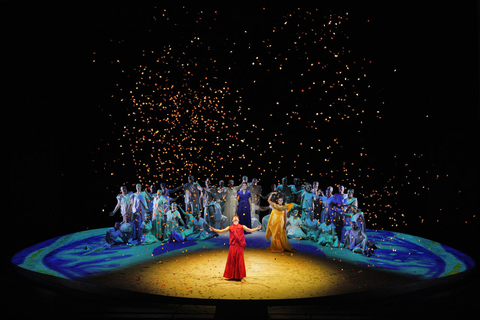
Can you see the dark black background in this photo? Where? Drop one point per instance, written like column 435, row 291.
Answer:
column 52, row 123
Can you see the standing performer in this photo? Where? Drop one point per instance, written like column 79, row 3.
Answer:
column 286, row 191
column 191, row 195
column 327, row 203
column 244, row 198
column 307, row 201
column 166, row 192
column 159, row 215
column 139, row 209
column 235, row 267
column 256, row 192
column 339, row 208
column 220, row 196
column 276, row 232
column 317, row 203
column 297, row 190
column 151, row 194
column 208, row 196
column 352, row 205
column 230, row 206
column 124, row 203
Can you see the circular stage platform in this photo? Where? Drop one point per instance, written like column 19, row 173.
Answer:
column 194, row 269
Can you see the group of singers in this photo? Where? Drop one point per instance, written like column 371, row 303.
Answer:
column 330, row 219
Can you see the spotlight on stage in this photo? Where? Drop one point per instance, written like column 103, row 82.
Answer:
column 194, row 269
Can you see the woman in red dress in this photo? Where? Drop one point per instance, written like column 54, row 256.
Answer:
column 235, row 268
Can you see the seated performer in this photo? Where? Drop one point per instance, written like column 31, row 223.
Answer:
column 276, row 232
column 327, row 236
column 235, row 267
column 174, row 220
column 355, row 239
column 148, row 237
column 219, row 220
column 200, row 230
column 294, row 227
column 112, row 237
column 351, row 209
column 311, row 227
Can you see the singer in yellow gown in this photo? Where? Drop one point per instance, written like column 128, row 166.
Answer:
column 276, row 232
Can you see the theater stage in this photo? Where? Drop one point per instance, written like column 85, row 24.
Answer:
column 191, row 272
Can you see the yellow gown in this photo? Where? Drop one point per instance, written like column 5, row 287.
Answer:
column 276, row 229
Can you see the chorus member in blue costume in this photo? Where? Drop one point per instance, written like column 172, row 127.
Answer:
column 167, row 192
column 356, row 239
column 327, row 202
column 294, row 226
column 201, row 230
column 191, row 194
column 208, row 195
column 339, row 208
column 311, row 227
column 297, row 189
column 139, row 209
column 351, row 209
column 244, row 199
column 151, row 194
column 159, row 215
column 286, row 191
column 326, row 234
column 317, row 203
column 148, row 237
column 176, row 224
column 307, row 202
column 220, row 195
column 113, row 236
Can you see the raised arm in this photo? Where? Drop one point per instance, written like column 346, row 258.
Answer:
column 270, row 198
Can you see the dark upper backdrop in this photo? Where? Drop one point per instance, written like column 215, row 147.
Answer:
column 53, row 123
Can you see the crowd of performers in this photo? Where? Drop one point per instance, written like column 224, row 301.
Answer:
column 293, row 212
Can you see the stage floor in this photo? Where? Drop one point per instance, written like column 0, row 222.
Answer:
column 194, row 269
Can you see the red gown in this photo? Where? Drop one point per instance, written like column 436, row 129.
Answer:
column 235, row 268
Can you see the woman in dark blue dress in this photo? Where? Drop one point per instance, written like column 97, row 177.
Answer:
column 244, row 200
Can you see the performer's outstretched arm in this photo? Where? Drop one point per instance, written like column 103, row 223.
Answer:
column 220, row 230
column 176, row 189
column 252, row 230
